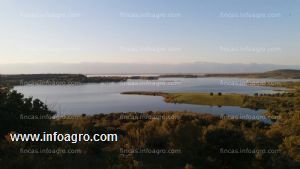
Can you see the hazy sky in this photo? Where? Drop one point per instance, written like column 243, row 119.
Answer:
column 150, row 31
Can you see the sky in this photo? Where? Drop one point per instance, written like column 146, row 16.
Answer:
column 150, row 31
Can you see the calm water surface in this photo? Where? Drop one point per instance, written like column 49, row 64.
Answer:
column 105, row 98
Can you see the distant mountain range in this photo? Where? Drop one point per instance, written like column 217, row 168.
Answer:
column 126, row 68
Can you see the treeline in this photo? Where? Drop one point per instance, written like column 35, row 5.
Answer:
column 276, row 74
column 200, row 141
column 277, row 103
column 55, row 79
column 64, row 79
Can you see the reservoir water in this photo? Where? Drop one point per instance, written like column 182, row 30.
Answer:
column 106, row 98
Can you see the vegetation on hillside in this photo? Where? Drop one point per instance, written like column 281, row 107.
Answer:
column 200, row 141
column 75, row 79
column 55, row 79
column 64, row 79
column 276, row 74
column 273, row 103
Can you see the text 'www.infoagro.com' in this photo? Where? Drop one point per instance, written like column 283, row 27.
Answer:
column 58, row 137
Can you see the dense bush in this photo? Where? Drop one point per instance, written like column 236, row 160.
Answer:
column 204, row 141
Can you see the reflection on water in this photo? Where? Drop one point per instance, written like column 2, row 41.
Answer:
column 106, row 98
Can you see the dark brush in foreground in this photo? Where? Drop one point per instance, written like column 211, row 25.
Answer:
column 147, row 140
